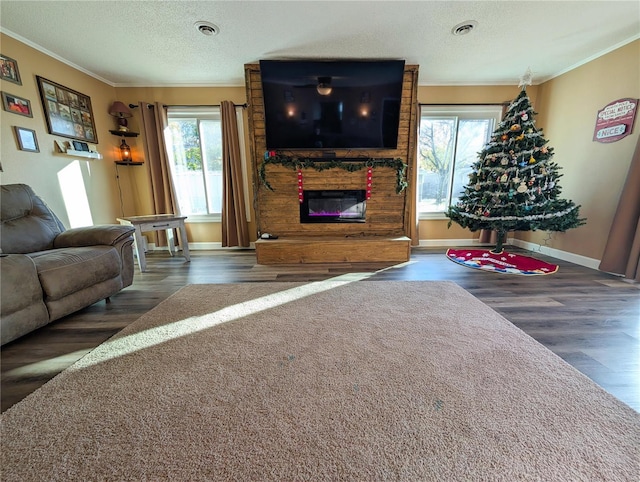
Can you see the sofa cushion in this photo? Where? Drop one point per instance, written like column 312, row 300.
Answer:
column 67, row 270
column 28, row 224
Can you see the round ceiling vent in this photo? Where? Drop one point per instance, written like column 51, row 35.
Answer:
column 464, row 28
column 207, row 28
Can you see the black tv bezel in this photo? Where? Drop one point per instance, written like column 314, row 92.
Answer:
column 346, row 62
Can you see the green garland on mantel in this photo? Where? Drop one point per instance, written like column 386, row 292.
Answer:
column 321, row 164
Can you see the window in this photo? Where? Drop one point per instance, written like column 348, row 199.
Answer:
column 194, row 145
column 449, row 141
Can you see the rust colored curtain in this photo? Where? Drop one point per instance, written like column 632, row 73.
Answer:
column 622, row 251
column 235, row 231
column 154, row 122
column 412, row 161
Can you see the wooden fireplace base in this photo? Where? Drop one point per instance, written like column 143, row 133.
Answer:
column 343, row 249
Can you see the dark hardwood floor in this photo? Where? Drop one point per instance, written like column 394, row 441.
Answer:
column 590, row 319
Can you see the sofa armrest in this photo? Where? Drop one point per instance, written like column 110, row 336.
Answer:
column 104, row 234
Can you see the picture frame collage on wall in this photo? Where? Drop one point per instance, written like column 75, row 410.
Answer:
column 68, row 113
column 9, row 72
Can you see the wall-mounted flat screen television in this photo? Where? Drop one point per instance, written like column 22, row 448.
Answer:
column 333, row 104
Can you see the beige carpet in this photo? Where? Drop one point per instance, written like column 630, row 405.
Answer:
column 361, row 381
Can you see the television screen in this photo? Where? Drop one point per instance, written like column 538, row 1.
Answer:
column 332, row 104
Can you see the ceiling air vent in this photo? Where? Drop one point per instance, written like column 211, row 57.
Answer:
column 207, row 28
column 464, row 28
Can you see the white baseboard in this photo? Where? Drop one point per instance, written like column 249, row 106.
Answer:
column 558, row 253
column 198, row 247
column 452, row 243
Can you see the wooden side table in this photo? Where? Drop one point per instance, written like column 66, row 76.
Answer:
column 157, row 222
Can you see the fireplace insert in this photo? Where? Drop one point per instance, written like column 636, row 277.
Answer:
column 333, row 206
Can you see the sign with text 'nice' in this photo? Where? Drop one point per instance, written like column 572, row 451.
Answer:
column 615, row 120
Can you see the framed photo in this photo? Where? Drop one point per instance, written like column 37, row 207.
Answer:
column 68, row 112
column 9, row 70
column 26, row 139
column 16, row 105
column 80, row 146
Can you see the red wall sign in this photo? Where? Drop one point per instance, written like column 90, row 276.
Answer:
column 615, row 120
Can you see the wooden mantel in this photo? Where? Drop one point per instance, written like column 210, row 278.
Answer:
column 385, row 236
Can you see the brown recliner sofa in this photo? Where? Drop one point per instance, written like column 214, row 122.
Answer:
column 47, row 271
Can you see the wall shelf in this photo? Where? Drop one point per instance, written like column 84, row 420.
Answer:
column 88, row 154
column 124, row 133
column 122, row 163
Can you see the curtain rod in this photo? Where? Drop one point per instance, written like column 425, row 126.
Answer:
column 467, row 103
column 244, row 106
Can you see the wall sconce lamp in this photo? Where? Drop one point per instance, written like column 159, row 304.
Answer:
column 121, row 111
column 324, row 85
column 125, row 152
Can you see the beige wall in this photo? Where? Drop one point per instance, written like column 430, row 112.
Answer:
column 49, row 172
column 593, row 172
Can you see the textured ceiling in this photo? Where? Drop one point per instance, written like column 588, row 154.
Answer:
column 155, row 43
